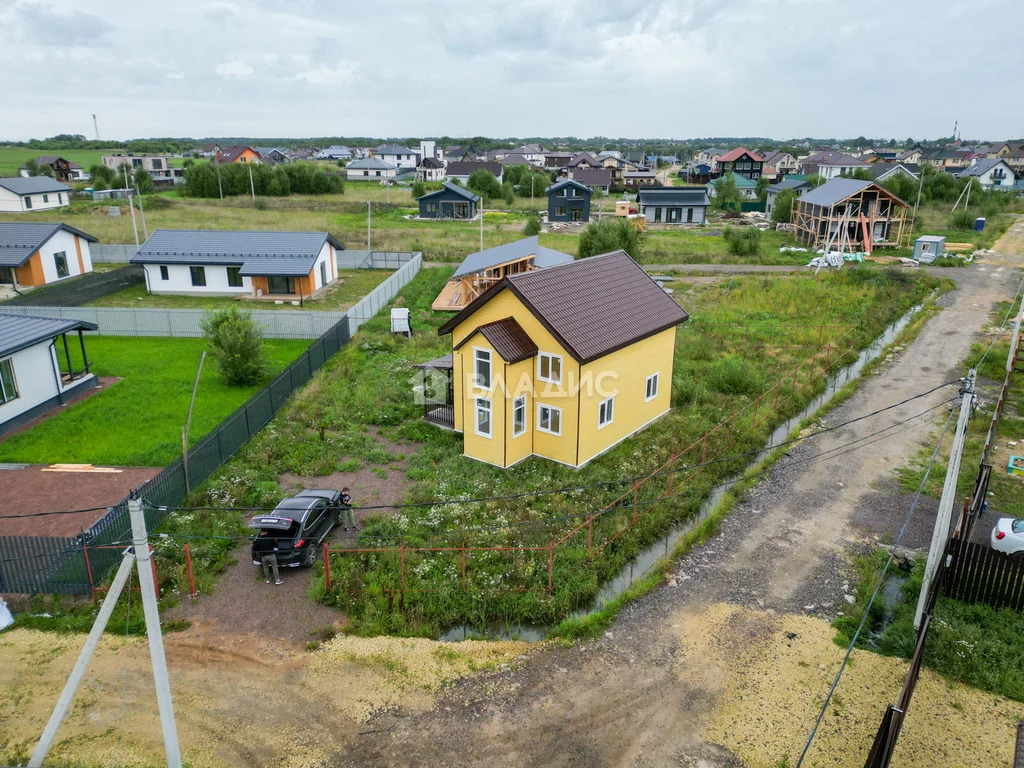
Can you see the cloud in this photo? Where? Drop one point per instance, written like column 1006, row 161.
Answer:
column 47, row 25
column 234, row 68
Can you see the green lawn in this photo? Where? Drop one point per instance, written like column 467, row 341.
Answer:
column 138, row 420
column 353, row 285
column 12, row 158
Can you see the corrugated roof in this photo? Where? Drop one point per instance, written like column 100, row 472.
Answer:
column 20, row 331
column 692, row 196
column 593, row 306
column 788, row 184
column 393, row 149
column 834, row 190
column 370, row 164
column 881, row 169
column 737, row 153
column 567, row 183
column 834, row 158
column 508, row 339
column 502, row 254
column 33, row 185
column 983, row 166
column 19, row 240
column 462, row 191
column 742, row 182
column 593, row 177
column 258, row 253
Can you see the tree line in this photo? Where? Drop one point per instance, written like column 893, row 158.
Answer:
column 203, row 180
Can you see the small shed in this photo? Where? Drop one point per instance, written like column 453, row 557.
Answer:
column 928, row 248
column 449, row 202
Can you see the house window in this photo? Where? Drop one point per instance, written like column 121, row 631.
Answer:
column 8, row 385
column 518, row 416
column 323, row 273
column 281, row 285
column 46, row 198
column 163, row 273
column 549, row 368
column 483, row 417
column 60, row 198
column 60, row 260
column 605, row 412
column 432, row 208
column 482, row 368
column 234, row 278
column 198, row 275
column 136, row 162
column 560, row 210
column 652, row 388
column 28, row 202
column 549, row 419
column 157, row 164
column 689, row 215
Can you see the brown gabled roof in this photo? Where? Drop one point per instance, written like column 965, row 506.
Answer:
column 508, row 339
column 593, row 306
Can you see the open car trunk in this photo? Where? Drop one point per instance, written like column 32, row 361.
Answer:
column 275, row 534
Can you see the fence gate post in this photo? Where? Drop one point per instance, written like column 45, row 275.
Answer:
column 327, row 565
column 191, row 576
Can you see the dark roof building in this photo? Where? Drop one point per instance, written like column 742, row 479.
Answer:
column 449, row 202
column 595, row 178
column 568, row 200
column 463, row 170
column 673, row 205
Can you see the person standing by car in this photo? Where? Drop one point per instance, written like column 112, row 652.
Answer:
column 269, row 561
column 348, row 517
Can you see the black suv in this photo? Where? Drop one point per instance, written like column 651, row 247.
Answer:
column 296, row 528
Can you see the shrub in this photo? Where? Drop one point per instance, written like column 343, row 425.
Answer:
column 610, row 235
column 744, row 241
column 259, row 204
column 419, row 189
column 532, row 226
column 734, row 376
column 236, row 342
column 961, row 220
column 484, row 184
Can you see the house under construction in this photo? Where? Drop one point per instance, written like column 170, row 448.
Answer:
column 850, row 215
column 480, row 270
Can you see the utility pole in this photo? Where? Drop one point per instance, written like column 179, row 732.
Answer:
column 187, row 429
column 142, row 211
column 369, row 216
column 940, row 534
column 139, row 557
column 131, row 204
column 216, row 163
column 481, row 223
column 252, row 187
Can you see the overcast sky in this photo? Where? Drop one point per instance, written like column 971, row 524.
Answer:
column 294, row 68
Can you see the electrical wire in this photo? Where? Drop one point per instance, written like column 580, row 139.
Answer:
column 56, row 512
column 995, row 336
column 874, row 594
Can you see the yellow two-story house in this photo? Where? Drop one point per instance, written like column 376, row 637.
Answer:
column 563, row 362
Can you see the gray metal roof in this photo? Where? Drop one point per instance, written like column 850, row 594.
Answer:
column 834, row 190
column 788, row 184
column 258, row 253
column 19, row 240
column 519, row 249
column 447, row 185
column 20, row 331
column 370, row 164
column 567, row 183
column 692, row 196
column 393, row 149
column 33, row 185
column 982, row 166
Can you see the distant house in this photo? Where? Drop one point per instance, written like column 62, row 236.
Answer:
column 430, row 169
column 39, row 253
column 63, row 170
column 522, row 351
column 335, row 152
column 482, row 270
column 463, row 170
column 910, row 156
column 637, row 158
column 797, row 185
column 158, row 166
column 37, row 371
column 514, row 159
column 583, row 160
column 273, row 155
column 882, row 171
column 33, row 193
column 710, row 156
column 272, row 265
column 533, row 153
column 557, row 160
column 846, row 214
column 236, row 154
column 208, row 150
column 370, row 168
column 946, row 159
column 673, row 205
column 992, row 173
column 397, row 155
column 741, row 162
column 746, row 187
column 568, row 200
column 830, row 163
column 778, row 163
column 639, row 178
column 449, row 202
column 304, row 153
column 598, row 179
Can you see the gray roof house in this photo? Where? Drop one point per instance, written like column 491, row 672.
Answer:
column 568, row 200
column 36, row 253
column 225, row 262
column 991, row 172
column 883, row 171
column 32, row 193
column 673, row 205
column 771, row 193
column 372, row 168
column 449, row 202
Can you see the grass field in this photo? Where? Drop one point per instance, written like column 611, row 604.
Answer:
column 138, row 420
column 12, row 158
column 352, row 285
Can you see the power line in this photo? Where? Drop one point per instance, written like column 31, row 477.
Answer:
column 995, row 336
column 58, row 512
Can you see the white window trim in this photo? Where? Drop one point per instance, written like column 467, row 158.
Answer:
column 657, row 386
column 540, row 356
column 515, row 404
column 490, row 369
column 611, row 401
column 544, row 429
column 490, row 416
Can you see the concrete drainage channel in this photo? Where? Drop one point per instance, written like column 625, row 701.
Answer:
column 640, row 566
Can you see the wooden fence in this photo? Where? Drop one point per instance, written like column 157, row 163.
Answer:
column 978, row 574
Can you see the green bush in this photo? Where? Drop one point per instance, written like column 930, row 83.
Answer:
column 734, row 376
column 745, row 241
column 419, row 189
column 236, row 342
column 532, row 226
column 611, row 234
column 961, row 220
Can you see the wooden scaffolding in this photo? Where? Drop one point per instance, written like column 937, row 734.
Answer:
column 870, row 218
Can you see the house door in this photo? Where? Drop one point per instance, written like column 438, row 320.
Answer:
column 461, row 210
column 657, row 215
column 689, row 215
column 277, row 284
column 7, row 275
column 577, row 214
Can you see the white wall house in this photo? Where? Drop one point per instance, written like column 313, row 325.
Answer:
column 38, row 253
column 285, row 265
column 673, row 205
column 35, row 193
column 397, row 155
column 991, row 172
column 34, row 369
column 370, row 169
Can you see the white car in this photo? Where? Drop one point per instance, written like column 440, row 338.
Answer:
column 1008, row 535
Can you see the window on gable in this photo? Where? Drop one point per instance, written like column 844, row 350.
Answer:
column 518, row 416
column 482, row 368
column 652, row 388
column 549, row 419
column 549, row 368
column 60, row 261
column 483, row 417
column 605, row 412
